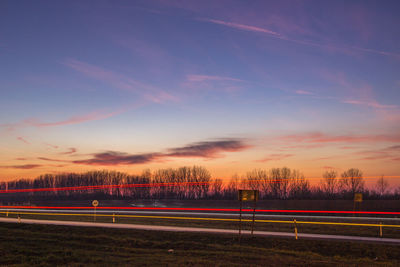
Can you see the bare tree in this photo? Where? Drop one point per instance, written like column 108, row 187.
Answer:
column 352, row 181
column 299, row 186
column 329, row 184
column 258, row 180
column 381, row 186
column 217, row 188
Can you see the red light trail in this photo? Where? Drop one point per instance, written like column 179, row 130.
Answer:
column 208, row 209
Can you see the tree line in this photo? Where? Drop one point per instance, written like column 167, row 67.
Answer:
column 196, row 183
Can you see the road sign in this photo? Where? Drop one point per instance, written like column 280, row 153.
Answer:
column 95, row 203
column 358, row 197
column 248, row 195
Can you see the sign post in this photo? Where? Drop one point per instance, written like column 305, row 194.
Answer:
column 358, row 198
column 247, row 195
column 95, row 203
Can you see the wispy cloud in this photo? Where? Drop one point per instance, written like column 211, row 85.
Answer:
column 120, row 81
column 23, row 167
column 241, row 26
column 50, row 145
column 111, row 158
column 327, row 46
column 372, row 104
column 386, row 153
column 55, row 160
column 202, row 78
column 207, row 149
column 23, row 140
column 34, row 122
column 303, row 92
column 275, row 157
column 70, row 151
column 318, row 137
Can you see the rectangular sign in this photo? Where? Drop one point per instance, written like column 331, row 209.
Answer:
column 358, row 197
column 248, row 195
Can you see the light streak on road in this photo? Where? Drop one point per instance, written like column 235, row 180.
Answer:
column 210, row 214
column 211, row 209
column 205, row 219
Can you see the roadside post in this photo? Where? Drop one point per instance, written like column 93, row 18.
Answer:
column 247, row 195
column 95, row 203
column 295, row 228
column 380, row 229
column 113, row 217
column 358, row 198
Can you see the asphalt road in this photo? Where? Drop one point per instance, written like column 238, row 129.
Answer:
column 215, row 214
column 206, row 230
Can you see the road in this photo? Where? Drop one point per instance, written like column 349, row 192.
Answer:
column 217, row 214
column 206, row 230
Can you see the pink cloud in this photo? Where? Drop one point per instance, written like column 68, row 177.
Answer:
column 33, row 122
column 372, row 104
column 318, row 137
column 274, row 157
column 23, row 167
column 55, row 160
column 23, row 140
column 52, row 146
column 96, row 115
column 303, row 92
column 327, row 45
column 202, row 78
column 242, row 26
column 120, row 81
column 70, row 151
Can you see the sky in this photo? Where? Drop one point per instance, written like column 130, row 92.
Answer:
column 229, row 85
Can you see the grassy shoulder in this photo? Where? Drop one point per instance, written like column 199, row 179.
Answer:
column 23, row 244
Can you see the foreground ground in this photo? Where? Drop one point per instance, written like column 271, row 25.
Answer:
column 22, row 244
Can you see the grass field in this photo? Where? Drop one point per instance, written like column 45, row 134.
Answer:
column 23, row 244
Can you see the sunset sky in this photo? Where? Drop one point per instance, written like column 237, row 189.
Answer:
column 228, row 85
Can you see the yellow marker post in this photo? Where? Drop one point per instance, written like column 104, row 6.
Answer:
column 295, row 228
column 380, row 229
column 113, row 217
column 7, row 213
column 95, row 203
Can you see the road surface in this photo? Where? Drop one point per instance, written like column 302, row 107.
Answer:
column 205, row 230
column 217, row 214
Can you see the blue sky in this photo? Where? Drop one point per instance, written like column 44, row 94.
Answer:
column 312, row 85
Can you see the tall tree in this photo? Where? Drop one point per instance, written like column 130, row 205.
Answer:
column 352, row 181
column 329, row 184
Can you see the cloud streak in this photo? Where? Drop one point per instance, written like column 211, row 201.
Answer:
column 242, row 26
column 34, row 122
column 207, row 149
column 22, row 167
column 202, row 78
column 328, row 46
column 120, row 81
column 274, row 157
column 70, row 151
column 23, row 140
column 318, row 137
